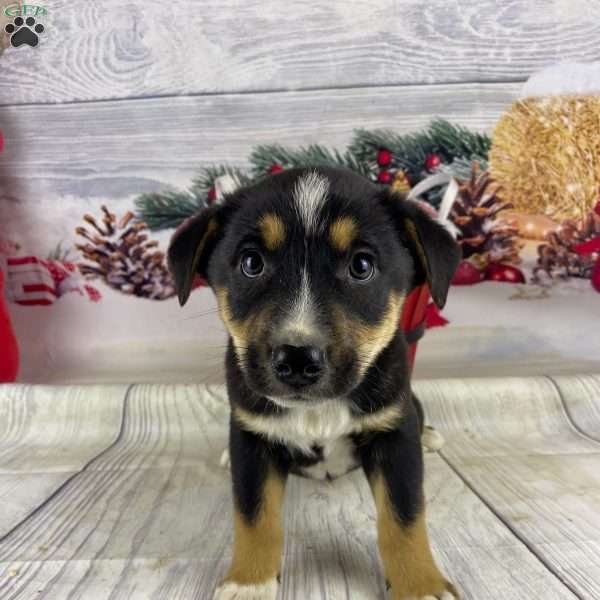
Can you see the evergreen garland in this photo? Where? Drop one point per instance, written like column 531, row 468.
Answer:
column 410, row 151
column 454, row 145
column 264, row 157
column 166, row 210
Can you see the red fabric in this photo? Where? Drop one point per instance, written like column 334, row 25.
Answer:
column 413, row 315
column 39, row 287
column 9, row 353
column 434, row 318
column 33, row 281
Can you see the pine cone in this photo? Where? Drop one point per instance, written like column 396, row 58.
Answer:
column 123, row 257
column 475, row 214
column 558, row 256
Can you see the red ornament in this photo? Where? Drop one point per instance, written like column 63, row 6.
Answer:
column 384, row 157
column 432, row 162
column 467, row 274
column 597, row 208
column 384, row 177
column 588, row 247
column 212, row 195
column 596, row 276
column 504, row 273
column 274, row 169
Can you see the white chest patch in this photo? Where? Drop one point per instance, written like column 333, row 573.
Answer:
column 326, row 425
column 338, row 458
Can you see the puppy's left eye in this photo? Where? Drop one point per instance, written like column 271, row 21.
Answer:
column 362, row 267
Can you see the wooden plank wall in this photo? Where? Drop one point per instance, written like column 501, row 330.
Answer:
column 120, row 98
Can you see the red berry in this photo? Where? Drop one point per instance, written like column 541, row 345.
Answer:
column 504, row 273
column 384, row 177
column 384, row 157
column 467, row 274
column 212, row 195
column 275, row 169
column 432, row 162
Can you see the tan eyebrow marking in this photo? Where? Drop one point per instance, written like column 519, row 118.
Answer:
column 272, row 230
column 342, row 233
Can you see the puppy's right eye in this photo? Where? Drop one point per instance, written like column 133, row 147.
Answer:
column 252, row 264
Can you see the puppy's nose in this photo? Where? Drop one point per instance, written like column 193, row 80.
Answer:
column 298, row 366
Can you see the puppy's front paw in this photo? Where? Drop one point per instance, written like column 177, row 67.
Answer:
column 448, row 594
column 235, row 591
column 432, row 440
column 225, row 460
column 442, row 596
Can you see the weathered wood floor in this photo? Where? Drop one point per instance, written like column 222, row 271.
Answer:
column 116, row 492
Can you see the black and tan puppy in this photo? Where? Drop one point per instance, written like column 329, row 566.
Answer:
column 311, row 268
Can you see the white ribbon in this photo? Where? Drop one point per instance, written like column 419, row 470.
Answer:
column 448, row 199
column 225, row 184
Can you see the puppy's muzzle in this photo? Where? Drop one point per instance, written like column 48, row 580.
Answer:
column 298, row 366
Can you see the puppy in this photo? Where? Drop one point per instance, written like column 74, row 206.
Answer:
column 311, row 268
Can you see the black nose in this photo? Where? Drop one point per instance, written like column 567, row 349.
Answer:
column 298, row 365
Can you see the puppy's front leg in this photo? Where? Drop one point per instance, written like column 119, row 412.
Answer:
column 258, row 489
column 393, row 463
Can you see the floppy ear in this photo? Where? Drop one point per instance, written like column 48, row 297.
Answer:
column 435, row 252
column 190, row 249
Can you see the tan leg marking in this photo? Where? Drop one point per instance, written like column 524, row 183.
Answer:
column 407, row 560
column 258, row 544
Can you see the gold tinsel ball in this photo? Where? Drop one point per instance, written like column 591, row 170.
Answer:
column 545, row 155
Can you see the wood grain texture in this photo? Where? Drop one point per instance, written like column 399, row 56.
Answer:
column 111, row 49
column 581, row 396
column 552, row 503
column 61, row 428
column 47, row 434
column 496, row 417
column 514, row 444
column 150, row 517
column 118, row 148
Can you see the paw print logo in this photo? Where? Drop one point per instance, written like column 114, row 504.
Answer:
column 24, row 31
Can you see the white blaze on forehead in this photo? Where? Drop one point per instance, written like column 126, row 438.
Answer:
column 301, row 321
column 309, row 195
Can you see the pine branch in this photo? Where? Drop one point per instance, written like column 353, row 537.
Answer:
column 456, row 146
column 460, row 168
column 265, row 156
column 459, row 142
column 409, row 151
column 167, row 209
